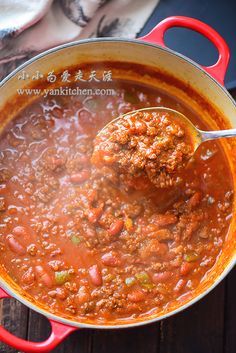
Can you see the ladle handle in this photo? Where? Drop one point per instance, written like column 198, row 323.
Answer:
column 212, row 135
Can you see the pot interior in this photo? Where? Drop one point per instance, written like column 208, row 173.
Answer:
column 154, row 67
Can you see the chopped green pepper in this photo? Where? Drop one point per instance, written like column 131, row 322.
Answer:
column 144, row 280
column 148, row 285
column 142, row 277
column 76, row 239
column 191, row 257
column 61, row 277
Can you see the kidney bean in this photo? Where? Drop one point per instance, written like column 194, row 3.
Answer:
column 15, row 245
column 149, row 229
column 83, row 295
column 111, row 259
column 80, row 177
column 19, row 230
column 161, row 277
column 94, row 214
column 186, row 268
column 43, row 276
column 52, row 293
column 163, row 220
column 28, row 277
column 116, row 227
column 163, row 235
column 194, row 200
column 180, row 285
column 136, row 296
column 95, row 275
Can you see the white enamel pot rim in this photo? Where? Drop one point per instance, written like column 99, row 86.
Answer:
column 61, row 327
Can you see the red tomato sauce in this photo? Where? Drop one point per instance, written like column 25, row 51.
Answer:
column 80, row 244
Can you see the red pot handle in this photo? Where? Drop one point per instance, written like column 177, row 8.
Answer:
column 218, row 70
column 58, row 334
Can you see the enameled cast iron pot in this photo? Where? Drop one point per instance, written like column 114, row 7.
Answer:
column 150, row 51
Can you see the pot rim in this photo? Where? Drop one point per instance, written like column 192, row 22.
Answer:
column 113, row 39
column 54, row 317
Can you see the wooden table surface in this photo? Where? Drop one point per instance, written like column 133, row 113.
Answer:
column 209, row 326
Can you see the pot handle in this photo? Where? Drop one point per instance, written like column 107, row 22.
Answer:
column 218, row 70
column 58, row 334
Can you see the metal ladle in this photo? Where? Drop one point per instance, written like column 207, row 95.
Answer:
column 199, row 136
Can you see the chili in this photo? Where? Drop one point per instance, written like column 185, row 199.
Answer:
column 79, row 243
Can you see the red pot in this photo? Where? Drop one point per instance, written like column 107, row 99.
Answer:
column 209, row 80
